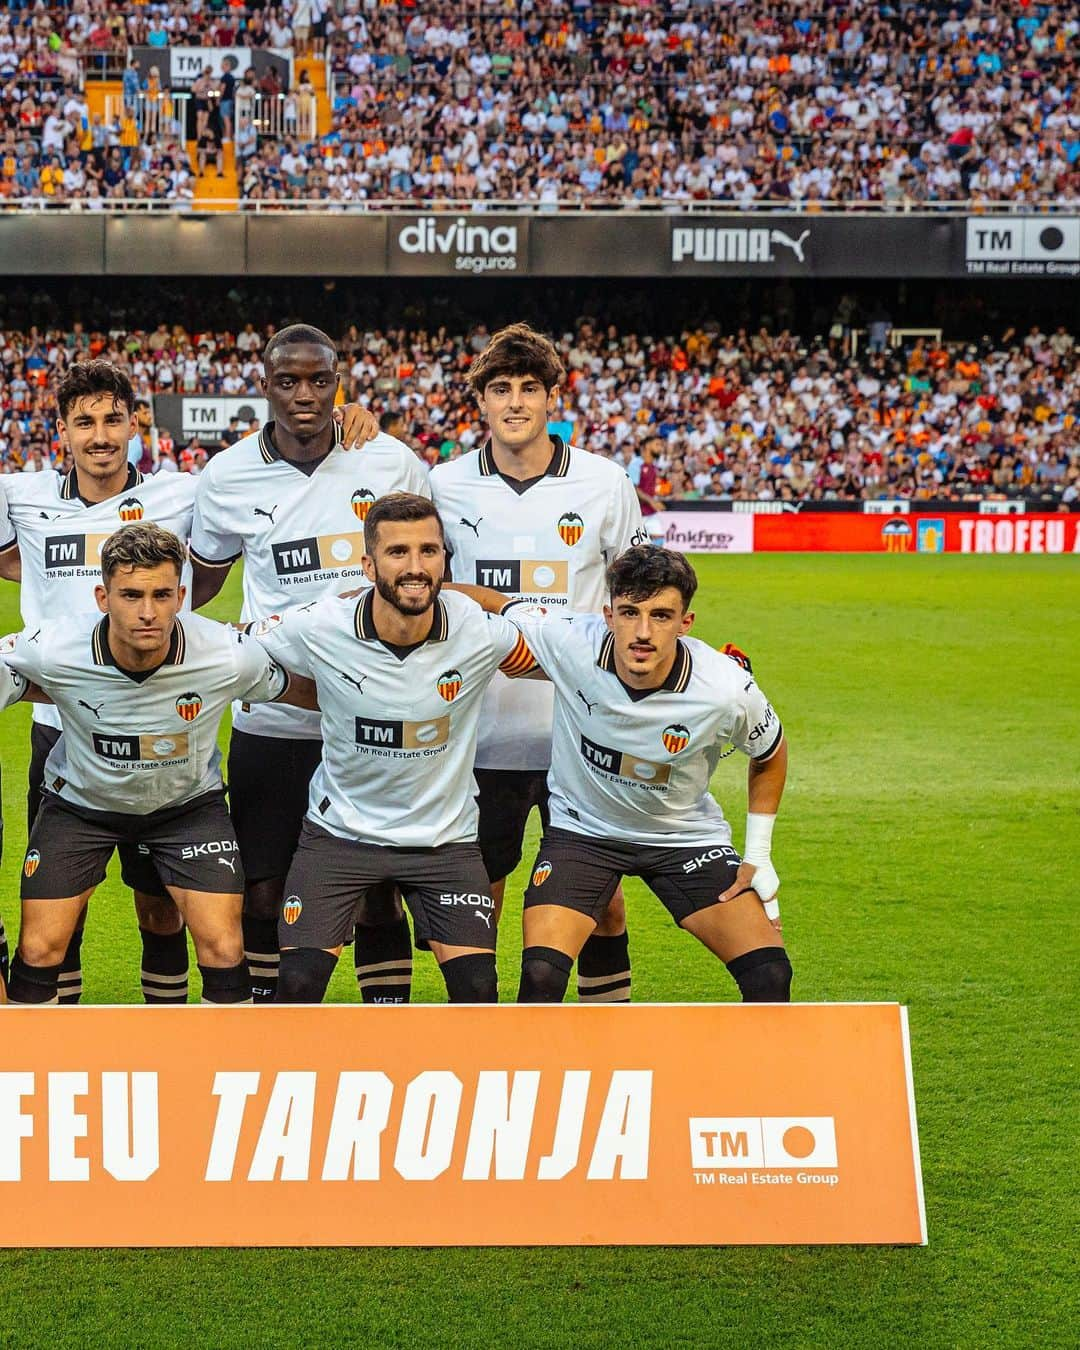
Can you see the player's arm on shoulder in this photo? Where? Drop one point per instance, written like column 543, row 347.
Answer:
column 23, row 653
column 213, row 547
column 624, row 526
column 284, row 637
column 264, row 679
column 16, row 688
column 491, row 602
column 358, row 425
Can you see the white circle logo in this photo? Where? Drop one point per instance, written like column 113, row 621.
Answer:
column 427, row 733
column 341, row 550
column 164, row 746
column 544, row 577
column 644, row 770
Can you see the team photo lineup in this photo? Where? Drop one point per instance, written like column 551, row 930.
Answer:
column 421, row 658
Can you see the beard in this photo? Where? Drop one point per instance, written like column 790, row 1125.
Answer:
column 409, row 605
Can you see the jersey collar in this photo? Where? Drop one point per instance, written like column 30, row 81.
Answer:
column 102, row 653
column 69, row 488
column 269, row 452
column 364, row 620
column 558, row 468
column 678, row 676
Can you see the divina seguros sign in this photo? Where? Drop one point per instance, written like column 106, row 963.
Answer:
column 476, row 243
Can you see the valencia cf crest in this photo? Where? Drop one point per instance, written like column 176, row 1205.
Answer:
column 189, row 706
column 130, row 509
column 675, row 738
column 541, row 874
column 571, row 528
column 290, row 910
column 31, row 863
column 449, row 684
column 362, row 501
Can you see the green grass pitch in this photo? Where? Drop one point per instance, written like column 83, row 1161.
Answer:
column 927, row 847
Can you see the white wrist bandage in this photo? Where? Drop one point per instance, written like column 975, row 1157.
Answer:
column 759, row 830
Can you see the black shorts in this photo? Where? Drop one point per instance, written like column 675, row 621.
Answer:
column 268, row 797
column 445, row 888
column 505, row 798
column 192, row 846
column 136, row 866
column 580, row 873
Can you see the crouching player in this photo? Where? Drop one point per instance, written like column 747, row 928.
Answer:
column 401, row 675
column 642, row 714
column 140, row 696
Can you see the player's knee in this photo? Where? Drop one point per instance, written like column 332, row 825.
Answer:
column 763, row 975
column 304, row 974
column 545, row 974
column 39, row 949
column 157, row 914
column 262, row 899
column 471, row 979
column 219, row 949
column 612, row 922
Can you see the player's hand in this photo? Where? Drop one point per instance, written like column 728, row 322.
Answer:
column 764, row 881
column 358, row 425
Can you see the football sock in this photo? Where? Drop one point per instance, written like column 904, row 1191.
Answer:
column 69, row 989
column 228, row 984
column 471, row 979
column 3, row 952
column 164, row 966
column 603, row 970
column 305, row 973
column 763, row 975
column 32, row 984
column 383, row 955
column 545, row 974
column 262, row 956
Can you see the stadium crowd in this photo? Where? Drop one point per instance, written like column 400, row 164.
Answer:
column 794, row 103
column 744, row 416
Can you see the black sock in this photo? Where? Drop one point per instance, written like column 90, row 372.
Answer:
column 603, row 970
column 69, row 987
column 32, row 984
column 3, row 952
column 763, row 975
column 263, row 957
column 164, row 966
column 228, row 984
column 305, row 973
column 383, row 955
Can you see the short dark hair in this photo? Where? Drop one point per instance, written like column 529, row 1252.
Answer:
column 642, row 571
column 388, row 418
column 516, row 350
column 143, row 544
column 398, row 506
column 90, row 379
column 296, row 334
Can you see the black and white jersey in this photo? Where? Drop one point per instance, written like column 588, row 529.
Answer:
column 547, row 539
column 633, row 767
column 139, row 742
column 398, row 726
column 60, row 536
column 299, row 531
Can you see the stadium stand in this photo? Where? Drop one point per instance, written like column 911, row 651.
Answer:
column 808, row 105
column 744, row 417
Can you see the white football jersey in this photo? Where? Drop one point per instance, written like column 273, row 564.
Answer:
column 59, row 537
column 548, row 539
column 398, row 730
column 136, row 743
column 637, row 769
column 300, row 534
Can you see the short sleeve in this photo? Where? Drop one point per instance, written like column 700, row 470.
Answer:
column 512, row 651
column 13, row 686
column 283, row 638
column 8, row 537
column 213, row 540
column 22, row 653
column 418, row 478
column 260, row 679
column 757, row 731
column 624, row 526
column 545, row 635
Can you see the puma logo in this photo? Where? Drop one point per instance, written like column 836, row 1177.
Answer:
column 230, row 863
column 588, row 706
column 475, row 528
column 786, row 241
column 351, row 680
column 257, row 510
column 90, row 708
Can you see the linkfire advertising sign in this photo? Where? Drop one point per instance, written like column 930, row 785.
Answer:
column 447, row 1126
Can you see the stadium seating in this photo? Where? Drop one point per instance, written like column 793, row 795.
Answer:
column 814, row 105
column 742, row 416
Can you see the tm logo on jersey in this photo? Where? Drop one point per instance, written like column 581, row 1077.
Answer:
column 449, row 684
column 675, row 738
column 644, row 772
column 527, row 576
column 304, row 558
column 189, row 706
column 571, row 527
column 377, row 736
column 362, row 500
column 73, row 550
column 144, row 752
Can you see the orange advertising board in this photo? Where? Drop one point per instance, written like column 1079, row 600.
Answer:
column 446, row 1126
